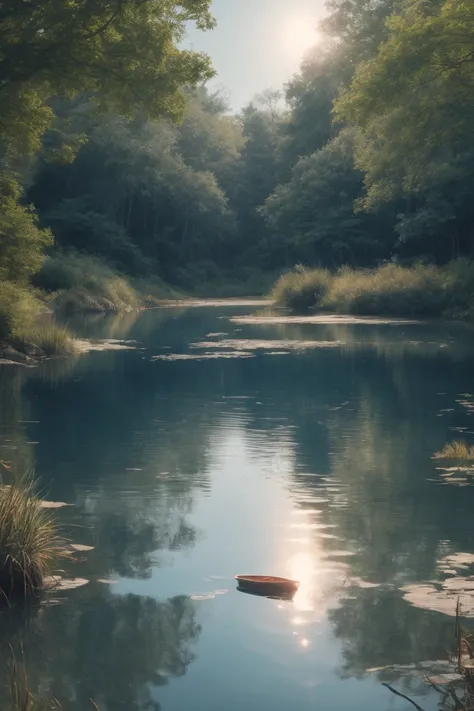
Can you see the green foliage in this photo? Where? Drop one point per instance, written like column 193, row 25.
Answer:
column 21, row 241
column 121, row 54
column 29, row 539
column 131, row 197
column 51, row 339
column 390, row 290
column 255, row 178
column 413, row 108
column 313, row 214
column 82, row 282
column 76, row 223
column 18, row 310
column 125, row 53
column 302, row 289
column 370, row 159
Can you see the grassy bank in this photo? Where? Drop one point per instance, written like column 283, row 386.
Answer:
column 21, row 328
column 73, row 282
column 76, row 282
column 421, row 290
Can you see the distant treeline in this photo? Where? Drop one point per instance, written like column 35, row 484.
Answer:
column 111, row 145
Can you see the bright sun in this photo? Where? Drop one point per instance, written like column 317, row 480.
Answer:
column 300, row 35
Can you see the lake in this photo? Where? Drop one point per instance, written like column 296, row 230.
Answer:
column 196, row 444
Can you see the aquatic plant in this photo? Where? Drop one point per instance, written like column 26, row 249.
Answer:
column 29, row 539
column 20, row 697
column 456, row 450
column 456, row 690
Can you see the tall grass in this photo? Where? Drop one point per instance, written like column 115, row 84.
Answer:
column 29, row 539
column 302, row 289
column 456, row 450
column 83, row 283
column 421, row 290
column 21, row 698
column 20, row 311
column 52, row 339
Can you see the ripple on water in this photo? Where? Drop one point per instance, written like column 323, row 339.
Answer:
column 203, row 356
column 320, row 319
column 270, row 345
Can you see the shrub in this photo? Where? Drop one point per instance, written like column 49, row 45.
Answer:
column 29, row 539
column 302, row 289
column 18, row 310
column 85, row 283
column 390, row 289
column 52, row 339
column 420, row 290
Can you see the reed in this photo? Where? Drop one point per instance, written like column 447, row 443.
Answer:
column 29, row 539
column 456, row 450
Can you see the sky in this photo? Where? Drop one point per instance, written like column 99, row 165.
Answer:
column 257, row 44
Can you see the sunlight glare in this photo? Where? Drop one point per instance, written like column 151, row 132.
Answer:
column 300, row 35
column 300, row 567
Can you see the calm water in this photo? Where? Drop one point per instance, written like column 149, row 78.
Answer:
column 313, row 464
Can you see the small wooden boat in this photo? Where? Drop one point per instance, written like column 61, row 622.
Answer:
column 267, row 585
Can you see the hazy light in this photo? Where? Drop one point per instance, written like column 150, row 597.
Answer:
column 300, row 34
column 301, row 568
column 304, row 643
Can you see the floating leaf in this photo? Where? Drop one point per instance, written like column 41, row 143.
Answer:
column 56, row 582
column 80, row 547
column 71, row 583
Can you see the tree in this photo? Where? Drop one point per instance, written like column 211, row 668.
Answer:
column 21, row 241
column 132, row 198
column 122, row 53
column 309, row 124
column 313, row 214
column 412, row 105
column 360, row 25
column 255, row 177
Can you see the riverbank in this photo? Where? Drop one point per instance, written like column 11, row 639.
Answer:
column 390, row 290
column 73, row 283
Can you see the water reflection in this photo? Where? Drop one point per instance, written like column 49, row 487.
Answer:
column 116, row 650
column 316, row 467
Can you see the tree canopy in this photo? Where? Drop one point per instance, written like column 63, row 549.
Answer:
column 112, row 144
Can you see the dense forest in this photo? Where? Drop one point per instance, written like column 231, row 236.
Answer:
column 117, row 164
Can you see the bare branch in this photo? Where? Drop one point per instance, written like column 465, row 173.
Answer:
column 407, row 698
